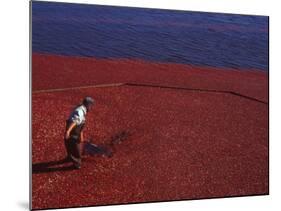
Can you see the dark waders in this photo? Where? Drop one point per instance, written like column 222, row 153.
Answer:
column 73, row 145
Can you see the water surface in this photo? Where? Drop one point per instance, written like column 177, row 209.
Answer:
column 206, row 39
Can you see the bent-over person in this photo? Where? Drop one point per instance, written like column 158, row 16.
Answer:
column 73, row 137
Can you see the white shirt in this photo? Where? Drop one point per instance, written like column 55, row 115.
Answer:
column 78, row 115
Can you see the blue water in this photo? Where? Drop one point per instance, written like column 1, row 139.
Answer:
column 208, row 39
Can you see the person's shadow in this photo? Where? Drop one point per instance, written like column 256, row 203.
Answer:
column 52, row 166
column 88, row 149
column 66, row 163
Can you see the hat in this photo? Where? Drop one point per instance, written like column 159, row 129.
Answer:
column 88, row 101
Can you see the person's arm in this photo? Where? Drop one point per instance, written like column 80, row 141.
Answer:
column 67, row 132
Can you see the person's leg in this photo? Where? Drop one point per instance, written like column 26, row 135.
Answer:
column 68, row 147
column 76, row 154
column 73, row 152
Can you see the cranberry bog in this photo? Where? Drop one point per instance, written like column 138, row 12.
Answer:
column 190, row 132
